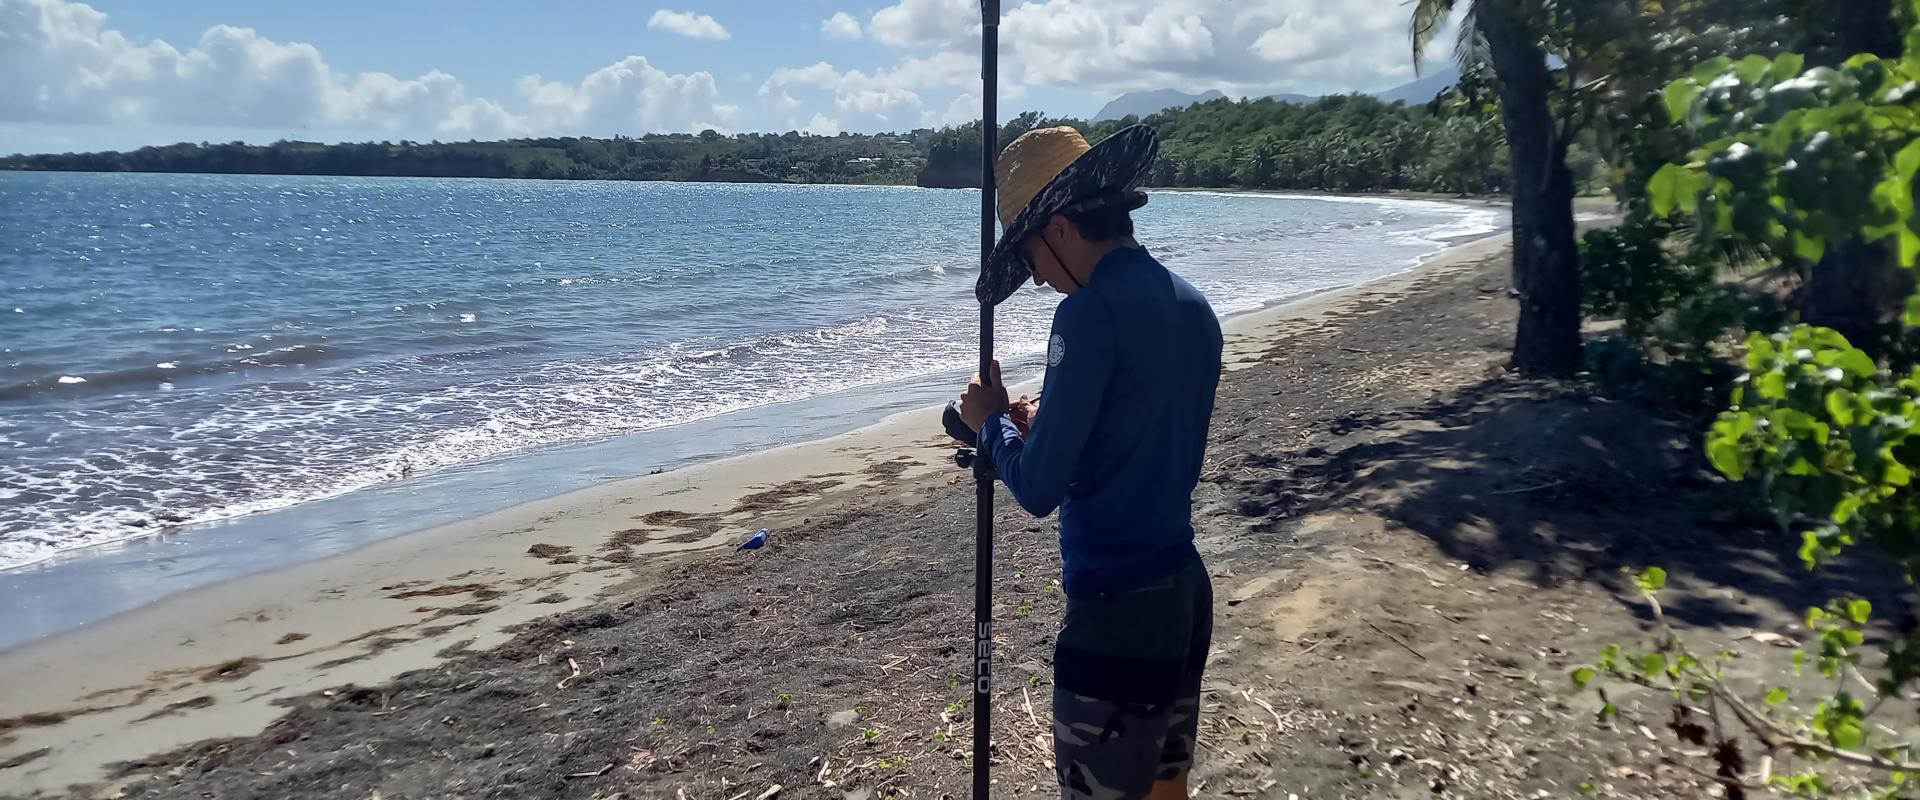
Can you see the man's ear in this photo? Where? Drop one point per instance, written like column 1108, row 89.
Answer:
column 1060, row 226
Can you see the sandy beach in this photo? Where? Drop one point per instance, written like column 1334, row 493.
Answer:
column 1406, row 545
column 214, row 662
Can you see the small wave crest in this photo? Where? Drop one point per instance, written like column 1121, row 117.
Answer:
column 908, row 277
column 306, row 442
column 155, row 372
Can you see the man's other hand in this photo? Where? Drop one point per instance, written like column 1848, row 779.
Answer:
column 1021, row 411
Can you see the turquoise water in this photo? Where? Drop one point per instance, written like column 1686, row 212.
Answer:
column 185, row 349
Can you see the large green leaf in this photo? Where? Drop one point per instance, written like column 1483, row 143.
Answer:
column 1853, row 361
column 1840, row 406
column 1907, row 161
column 1787, row 66
column 1726, row 457
column 1809, row 247
column 1892, row 197
column 1679, row 98
column 1815, row 337
column 1653, row 579
column 1711, row 68
column 1848, row 736
column 1772, row 386
column 1846, row 508
column 1671, row 186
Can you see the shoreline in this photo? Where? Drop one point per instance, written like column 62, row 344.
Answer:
column 211, row 662
column 148, row 568
column 1408, row 544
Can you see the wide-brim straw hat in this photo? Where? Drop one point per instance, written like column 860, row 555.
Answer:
column 1052, row 171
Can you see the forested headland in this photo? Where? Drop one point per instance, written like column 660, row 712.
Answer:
column 1338, row 143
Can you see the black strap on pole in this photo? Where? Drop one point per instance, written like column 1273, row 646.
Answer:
column 983, row 467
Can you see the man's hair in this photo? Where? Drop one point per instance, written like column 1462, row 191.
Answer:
column 1103, row 224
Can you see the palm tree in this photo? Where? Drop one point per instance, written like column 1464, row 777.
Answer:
column 1511, row 34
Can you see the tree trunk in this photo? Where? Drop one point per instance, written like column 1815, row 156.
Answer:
column 1857, row 289
column 1544, row 254
column 1864, row 26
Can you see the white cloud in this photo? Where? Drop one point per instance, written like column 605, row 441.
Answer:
column 688, row 24
column 626, row 97
column 920, row 22
column 1103, row 47
column 63, row 64
column 775, row 91
column 841, row 25
column 821, row 125
column 963, row 109
column 886, row 98
column 1296, row 39
column 1109, row 46
column 878, row 103
column 1168, row 36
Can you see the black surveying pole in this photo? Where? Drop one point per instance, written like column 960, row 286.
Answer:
column 983, row 467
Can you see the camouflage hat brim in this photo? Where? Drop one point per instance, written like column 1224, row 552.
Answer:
column 1109, row 172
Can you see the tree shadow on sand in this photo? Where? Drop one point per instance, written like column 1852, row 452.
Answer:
column 1557, row 484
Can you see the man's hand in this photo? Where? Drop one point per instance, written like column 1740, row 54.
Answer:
column 981, row 400
column 1021, row 411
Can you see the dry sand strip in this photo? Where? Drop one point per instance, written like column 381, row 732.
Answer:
column 228, row 660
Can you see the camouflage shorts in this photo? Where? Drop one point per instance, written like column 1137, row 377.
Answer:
column 1126, row 699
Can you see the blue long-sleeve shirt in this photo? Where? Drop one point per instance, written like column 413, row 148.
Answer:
column 1132, row 367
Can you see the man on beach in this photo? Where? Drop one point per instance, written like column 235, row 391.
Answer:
column 1132, row 365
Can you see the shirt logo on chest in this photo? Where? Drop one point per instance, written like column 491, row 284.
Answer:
column 1056, row 350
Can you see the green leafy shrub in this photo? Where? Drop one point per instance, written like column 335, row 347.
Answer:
column 1832, row 438
column 1704, row 319
column 1628, row 272
column 1796, row 161
column 1836, row 748
column 1678, row 321
column 1799, row 160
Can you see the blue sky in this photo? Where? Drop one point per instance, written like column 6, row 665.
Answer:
column 124, row 73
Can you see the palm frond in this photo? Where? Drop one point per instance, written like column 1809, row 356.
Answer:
column 1470, row 49
column 1428, row 17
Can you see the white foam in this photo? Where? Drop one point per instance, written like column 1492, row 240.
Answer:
column 166, row 365
column 72, row 379
column 200, row 454
column 1476, row 222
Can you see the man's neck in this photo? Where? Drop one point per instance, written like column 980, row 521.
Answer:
column 1100, row 251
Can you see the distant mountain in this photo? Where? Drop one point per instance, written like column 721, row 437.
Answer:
column 1422, row 91
column 1141, row 104
column 1419, row 92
